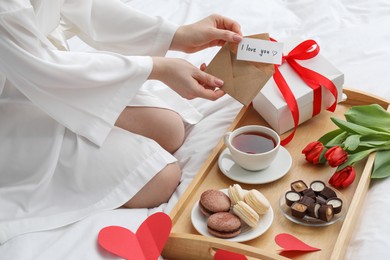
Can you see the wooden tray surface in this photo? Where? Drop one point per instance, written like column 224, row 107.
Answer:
column 186, row 243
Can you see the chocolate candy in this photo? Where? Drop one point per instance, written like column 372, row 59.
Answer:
column 298, row 186
column 325, row 212
column 317, row 186
column 309, row 193
column 298, row 210
column 336, row 203
column 317, row 201
column 328, row 193
column 320, row 200
column 291, row 197
column 307, row 200
column 312, row 210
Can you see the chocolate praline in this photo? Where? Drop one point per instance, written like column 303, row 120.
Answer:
column 337, row 204
column 298, row 186
column 307, row 200
column 317, row 186
column 328, row 193
column 312, row 210
column 291, row 197
column 325, row 212
column 309, row 193
column 298, row 210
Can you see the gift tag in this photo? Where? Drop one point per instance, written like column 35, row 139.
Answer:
column 250, row 49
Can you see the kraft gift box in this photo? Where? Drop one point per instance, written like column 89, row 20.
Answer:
column 270, row 104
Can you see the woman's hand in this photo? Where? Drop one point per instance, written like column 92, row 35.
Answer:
column 181, row 76
column 214, row 30
column 186, row 79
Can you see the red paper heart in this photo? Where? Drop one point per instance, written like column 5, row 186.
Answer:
column 226, row 255
column 121, row 242
column 290, row 243
column 146, row 243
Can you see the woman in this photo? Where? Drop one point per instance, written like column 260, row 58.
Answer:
column 77, row 133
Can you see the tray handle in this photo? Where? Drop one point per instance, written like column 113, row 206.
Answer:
column 195, row 247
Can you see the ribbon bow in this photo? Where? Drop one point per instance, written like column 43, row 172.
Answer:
column 304, row 51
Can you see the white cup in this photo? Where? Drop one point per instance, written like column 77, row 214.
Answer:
column 257, row 159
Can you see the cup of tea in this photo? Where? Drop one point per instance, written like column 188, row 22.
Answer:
column 253, row 147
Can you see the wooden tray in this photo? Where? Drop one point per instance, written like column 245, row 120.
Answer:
column 184, row 241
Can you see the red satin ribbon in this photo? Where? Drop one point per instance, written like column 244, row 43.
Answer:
column 305, row 50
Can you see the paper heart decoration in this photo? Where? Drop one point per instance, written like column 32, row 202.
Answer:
column 290, row 243
column 226, row 255
column 147, row 243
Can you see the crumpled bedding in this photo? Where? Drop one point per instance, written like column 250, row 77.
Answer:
column 352, row 34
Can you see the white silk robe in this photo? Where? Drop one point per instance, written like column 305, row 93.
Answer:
column 61, row 158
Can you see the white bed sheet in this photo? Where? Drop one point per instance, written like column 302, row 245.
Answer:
column 353, row 35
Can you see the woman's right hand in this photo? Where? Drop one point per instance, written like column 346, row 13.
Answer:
column 187, row 80
column 214, row 30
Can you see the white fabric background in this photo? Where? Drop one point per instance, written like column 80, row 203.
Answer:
column 353, row 35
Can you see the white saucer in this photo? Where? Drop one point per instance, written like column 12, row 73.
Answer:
column 280, row 166
column 199, row 221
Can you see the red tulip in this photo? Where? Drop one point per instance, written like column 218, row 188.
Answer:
column 336, row 156
column 313, row 152
column 343, row 178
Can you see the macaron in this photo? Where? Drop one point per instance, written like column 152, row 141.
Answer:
column 224, row 225
column 236, row 193
column 246, row 214
column 257, row 201
column 213, row 201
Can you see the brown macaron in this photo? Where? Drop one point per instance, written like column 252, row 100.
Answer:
column 224, row 225
column 213, row 201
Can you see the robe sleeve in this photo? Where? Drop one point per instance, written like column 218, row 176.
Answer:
column 115, row 26
column 84, row 92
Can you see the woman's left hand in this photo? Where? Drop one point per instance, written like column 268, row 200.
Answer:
column 214, row 30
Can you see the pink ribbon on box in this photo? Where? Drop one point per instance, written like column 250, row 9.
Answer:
column 303, row 51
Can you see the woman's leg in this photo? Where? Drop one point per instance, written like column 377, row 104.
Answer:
column 166, row 128
column 162, row 125
column 158, row 190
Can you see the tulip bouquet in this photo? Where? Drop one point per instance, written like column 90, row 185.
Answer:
column 365, row 130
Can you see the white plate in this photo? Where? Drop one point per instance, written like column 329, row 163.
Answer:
column 309, row 221
column 280, row 166
column 199, row 221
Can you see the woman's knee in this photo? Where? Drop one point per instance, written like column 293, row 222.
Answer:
column 174, row 135
column 162, row 125
column 158, row 190
column 169, row 178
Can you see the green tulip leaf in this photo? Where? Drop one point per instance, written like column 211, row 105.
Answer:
column 333, row 138
column 352, row 142
column 353, row 128
column 330, row 136
column 322, row 158
column 374, row 143
column 381, row 165
column 355, row 157
column 376, row 137
column 372, row 116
